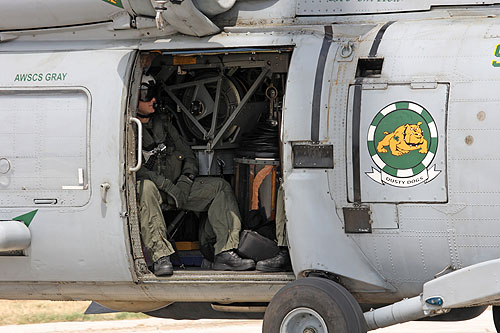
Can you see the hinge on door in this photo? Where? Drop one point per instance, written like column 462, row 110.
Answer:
column 374, row 85
column 424, row 83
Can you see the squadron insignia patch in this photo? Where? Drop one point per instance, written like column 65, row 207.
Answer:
column 402, row 141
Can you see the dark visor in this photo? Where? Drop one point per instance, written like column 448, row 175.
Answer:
column 145, row 93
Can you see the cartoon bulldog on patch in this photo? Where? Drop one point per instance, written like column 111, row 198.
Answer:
column 402, row 142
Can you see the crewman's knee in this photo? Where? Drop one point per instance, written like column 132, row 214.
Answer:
column 149, row 191
column 223, row 185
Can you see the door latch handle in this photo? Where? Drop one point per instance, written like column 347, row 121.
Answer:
column 45, row 201
column 104, row 191
column 139, row 144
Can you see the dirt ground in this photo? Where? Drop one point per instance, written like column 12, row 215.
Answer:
column 482, row 324
column 72, row 312
column 33, row 312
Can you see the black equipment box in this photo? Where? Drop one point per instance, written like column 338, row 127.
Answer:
column 256, row 247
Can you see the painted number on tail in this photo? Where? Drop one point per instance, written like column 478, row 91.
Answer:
column 497, row 54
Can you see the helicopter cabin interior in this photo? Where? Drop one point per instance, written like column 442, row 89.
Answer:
column 227, row 104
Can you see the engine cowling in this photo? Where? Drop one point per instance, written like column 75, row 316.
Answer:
column 185, row 16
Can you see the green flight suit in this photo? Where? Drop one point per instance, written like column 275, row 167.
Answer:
column 165, row 187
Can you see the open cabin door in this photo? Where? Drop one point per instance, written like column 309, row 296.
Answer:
column 225, row 104
column 396, row 147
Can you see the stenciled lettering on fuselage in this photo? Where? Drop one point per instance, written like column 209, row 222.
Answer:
column 403, row 141
column 39, row 77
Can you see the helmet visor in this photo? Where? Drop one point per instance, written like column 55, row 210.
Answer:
column 146, row 93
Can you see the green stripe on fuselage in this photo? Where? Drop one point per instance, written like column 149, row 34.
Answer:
column 26, row 218
column 117, row 3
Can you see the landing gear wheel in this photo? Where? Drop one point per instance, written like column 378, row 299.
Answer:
column 496, row 317
column 313, row 305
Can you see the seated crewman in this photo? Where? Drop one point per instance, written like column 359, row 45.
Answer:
column 172, row 181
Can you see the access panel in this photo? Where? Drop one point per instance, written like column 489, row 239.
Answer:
column 44, row 147
column 398, row 143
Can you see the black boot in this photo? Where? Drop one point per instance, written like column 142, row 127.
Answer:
column 278, row 263
column 229, row 260
column 163, row 267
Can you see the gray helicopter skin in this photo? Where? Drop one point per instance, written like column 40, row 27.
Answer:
column 388, row 140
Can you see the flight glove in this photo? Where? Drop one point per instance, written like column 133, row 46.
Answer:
column 179, row 192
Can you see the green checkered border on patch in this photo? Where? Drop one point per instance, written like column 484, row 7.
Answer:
column 432, row 148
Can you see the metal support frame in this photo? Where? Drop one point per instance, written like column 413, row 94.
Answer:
column 215, row 109
column 199, row 83
column 240, row 106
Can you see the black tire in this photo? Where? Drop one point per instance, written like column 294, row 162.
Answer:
column 333, row 303
column 496, row 317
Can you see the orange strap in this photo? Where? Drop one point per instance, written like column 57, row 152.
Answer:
column 259, row 178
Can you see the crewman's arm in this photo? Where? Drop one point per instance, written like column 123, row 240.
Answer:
column 190, row 166
column 176, row 191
